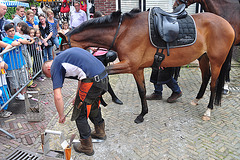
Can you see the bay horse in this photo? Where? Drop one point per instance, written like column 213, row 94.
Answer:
column 128, row 35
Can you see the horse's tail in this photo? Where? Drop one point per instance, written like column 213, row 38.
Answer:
column 222, row 77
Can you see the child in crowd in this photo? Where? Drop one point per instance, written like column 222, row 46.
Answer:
column 4, row 96
column 23, row 30
column 65, row 27
column 16, row 72
column 40, row 46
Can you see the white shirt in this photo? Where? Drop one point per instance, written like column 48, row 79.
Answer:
column 77, row 18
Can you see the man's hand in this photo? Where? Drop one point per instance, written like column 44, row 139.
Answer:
column 2, row 64
column 15, row 43
column 62, row 119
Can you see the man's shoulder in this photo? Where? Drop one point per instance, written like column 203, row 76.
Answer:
column 16, row 17
column 6, row 39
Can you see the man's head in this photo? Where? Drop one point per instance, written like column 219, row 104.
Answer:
column 3, row 10
column 20, row 10
column 77, row 6
column 46, row 68
column 34, row 9
column 9, row 29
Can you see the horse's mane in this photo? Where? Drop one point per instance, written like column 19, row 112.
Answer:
column 109, row 20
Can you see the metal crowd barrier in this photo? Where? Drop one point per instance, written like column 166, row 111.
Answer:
column 34, row 69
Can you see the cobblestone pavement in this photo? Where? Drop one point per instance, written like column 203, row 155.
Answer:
column 169, row 131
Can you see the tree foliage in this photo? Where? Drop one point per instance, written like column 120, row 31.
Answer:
column 12, row 10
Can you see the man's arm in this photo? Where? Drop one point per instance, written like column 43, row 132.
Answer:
column 84, row 16
column 59, row 104
column 24, row 41
column 5, row 45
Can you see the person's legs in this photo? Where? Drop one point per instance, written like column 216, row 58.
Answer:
column 45, row 52
column 158, row 88
column 85, row 146
column 176, row 91
column 56, row 42
column 99, row 124
column 49, row 51
column 157, row 94
column 173, row 85
column 82, row 123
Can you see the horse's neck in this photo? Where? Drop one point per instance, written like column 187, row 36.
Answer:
column 220, row 8
column 95, row 38
column 212, row 6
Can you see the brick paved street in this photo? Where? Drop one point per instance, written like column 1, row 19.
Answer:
column 169, row 131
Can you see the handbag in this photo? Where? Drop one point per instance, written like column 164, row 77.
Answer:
column 65, row 7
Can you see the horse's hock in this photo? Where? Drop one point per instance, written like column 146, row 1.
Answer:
column 236, row 53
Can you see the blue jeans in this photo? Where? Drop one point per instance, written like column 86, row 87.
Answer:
column 4, row 97
column 56, row 41
column 47, row 54
column 172, row 84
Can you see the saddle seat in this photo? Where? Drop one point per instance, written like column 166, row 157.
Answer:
column 177, row 12
column 166, row 24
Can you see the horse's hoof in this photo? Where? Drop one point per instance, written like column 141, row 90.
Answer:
column 194, row 102
column 206, row 118
column 139, row 119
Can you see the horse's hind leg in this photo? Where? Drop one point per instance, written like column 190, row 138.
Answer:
column 205, row 70
column 139, row 77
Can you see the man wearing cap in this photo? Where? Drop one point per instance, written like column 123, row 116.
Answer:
column 79, row 64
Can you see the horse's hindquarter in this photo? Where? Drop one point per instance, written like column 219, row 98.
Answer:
column 217, row 32
column 214, row 36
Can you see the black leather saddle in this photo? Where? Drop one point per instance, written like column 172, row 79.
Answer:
column 166, row 23
column 171, row 30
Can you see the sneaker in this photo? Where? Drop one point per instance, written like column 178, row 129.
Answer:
column 174, row 97
column 154, row 96
column 8, row 112
column 29, row 96
column 20, row 97
column 4, row 114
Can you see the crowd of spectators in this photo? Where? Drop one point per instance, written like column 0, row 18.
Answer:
column 28, row 27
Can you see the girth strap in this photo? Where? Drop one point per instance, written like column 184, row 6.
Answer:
column 158, row 58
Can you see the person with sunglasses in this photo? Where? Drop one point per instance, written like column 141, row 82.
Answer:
column 34, row 9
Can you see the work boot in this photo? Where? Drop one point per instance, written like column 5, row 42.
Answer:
column 174, row 97
column 99, row 132
column 85, row 146
column 154, row 96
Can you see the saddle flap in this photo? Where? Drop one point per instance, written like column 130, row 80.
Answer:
column 170, row 28
column 167, row 27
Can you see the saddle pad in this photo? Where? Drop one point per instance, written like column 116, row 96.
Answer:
column 187, row 33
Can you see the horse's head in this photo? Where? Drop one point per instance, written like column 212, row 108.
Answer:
column 186, row 2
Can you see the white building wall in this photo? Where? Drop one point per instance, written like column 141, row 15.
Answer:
column 166, row 5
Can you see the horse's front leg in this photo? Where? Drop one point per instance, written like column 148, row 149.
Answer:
column 139, row 78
